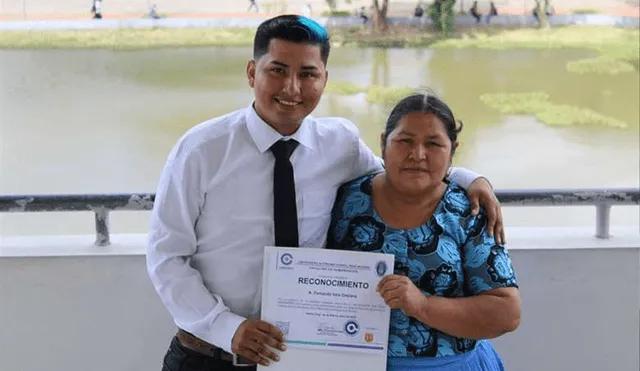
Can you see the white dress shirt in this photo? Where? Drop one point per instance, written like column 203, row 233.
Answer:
column 213, row 212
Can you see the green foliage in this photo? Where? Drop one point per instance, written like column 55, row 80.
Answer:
column 538, row 104
column 435, row 15
column 336, row 13
column 443, row 22
column 586, row 11
column 618, row 42
column 333, row 4
column 449, row 23
column 601, row 65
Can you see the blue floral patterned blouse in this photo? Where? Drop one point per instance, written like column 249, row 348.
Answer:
column 451, row 256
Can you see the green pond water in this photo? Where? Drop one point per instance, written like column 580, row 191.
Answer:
column 97, row 121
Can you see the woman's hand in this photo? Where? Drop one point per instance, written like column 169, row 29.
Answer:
column 400, row 293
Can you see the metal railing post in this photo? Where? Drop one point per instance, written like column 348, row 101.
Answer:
column 603, row 220
column 102, row 226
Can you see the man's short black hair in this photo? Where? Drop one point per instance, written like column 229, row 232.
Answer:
column 293, row 28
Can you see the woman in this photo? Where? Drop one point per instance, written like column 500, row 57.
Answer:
column 452, row 286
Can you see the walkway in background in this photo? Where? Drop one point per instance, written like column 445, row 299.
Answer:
column 132, row 9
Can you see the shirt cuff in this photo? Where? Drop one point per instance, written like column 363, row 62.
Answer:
column 224, row 328
column 463, row 177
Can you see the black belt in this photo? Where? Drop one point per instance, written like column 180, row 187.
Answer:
column 200, row 346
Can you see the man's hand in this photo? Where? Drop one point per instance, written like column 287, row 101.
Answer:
column 480, row 193
column 252, row 338
column 400, row 293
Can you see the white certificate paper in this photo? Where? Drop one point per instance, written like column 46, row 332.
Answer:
column 326, row 304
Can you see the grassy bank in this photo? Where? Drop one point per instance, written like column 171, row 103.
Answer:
column 618, row 48
column 609, row 41
column 140, row 39
column 126, row 39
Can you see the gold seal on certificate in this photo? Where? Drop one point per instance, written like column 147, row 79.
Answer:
column 326, row 304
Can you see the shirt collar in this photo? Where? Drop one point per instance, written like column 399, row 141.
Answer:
column 264, row 136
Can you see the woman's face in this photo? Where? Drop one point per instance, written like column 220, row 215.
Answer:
column 417, row 153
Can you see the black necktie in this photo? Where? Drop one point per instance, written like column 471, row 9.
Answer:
column 285, row 215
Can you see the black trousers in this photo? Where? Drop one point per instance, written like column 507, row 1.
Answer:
column 179, row 358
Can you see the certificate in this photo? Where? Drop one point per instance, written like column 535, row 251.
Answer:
column 325, row 301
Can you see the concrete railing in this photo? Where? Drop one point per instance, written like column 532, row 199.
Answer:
column 66, row 305
column 102, row 205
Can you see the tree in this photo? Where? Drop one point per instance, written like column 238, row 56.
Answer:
column 448, row 16
column 379, row 15
column 441, row 12
column 443, row 15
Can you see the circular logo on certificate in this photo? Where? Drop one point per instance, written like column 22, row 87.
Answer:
column 381, row 268
column 351, row 328
column 286, row 258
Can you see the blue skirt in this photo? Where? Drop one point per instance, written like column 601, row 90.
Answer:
column 483, row 358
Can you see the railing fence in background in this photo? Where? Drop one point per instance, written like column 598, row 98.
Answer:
column 102, row 204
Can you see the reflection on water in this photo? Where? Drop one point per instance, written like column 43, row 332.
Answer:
column 103, row 121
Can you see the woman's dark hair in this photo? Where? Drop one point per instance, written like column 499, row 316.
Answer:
column 425, row 103
column 293, row 28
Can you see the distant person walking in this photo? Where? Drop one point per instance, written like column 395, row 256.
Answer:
column 253, row 4
column 475, row 12
column 418, row 14
column 153, row 12
column 96, row 9
column 363, row 15
column 493, row 11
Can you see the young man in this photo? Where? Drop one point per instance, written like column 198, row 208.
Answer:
column 228, row 189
